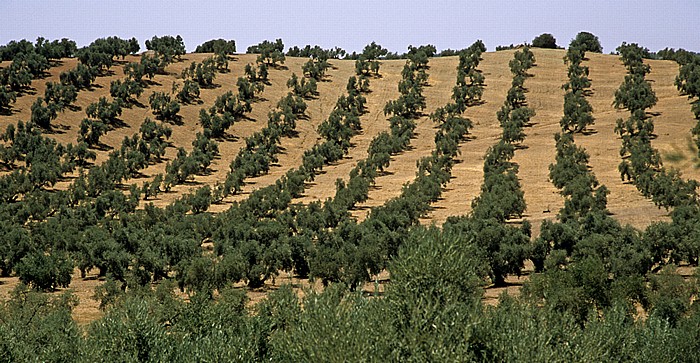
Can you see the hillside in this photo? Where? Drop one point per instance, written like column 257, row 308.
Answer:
column 673, row 121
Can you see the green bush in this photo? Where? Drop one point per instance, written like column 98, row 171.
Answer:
column 586, row 42
column 545, row 40
column 45, row 272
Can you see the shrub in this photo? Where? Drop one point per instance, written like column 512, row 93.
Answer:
column 125, row 92
column 164, row 107
column 545, row 40
column 587, row 42
column 45, row 271
column 167, row 47
column 217, row 46
column 105, row 111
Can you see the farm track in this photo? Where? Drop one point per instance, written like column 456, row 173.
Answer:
column 373, row 122
column 402, row 170
column 625, row 202
column 318, row 109
column 546, row 97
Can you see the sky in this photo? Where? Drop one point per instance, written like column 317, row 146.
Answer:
column 353, row 24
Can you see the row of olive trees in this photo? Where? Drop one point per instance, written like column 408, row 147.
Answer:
column 252, row 238
column 501, row 196
column 641, row 163
column 94, row 191
column 28, row 61
column 587, row 261
column 688, row 83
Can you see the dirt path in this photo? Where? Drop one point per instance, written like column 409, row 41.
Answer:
column 603, row 145
column 538, row 151
column 373, row 122
column 467, row 173
column 673, row 121
column 293, row 148
column 402, row 170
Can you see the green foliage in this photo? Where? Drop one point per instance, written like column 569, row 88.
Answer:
column 189, row 91
column 36, row 63
column 45, row 271
column 17, row 76
column 217, row 46
column 226, row 110
column 269, row 53
column 247, row 90
column 316, row 52
column 586, row 42
column 545, row 40
column 80, row 77
column 105, row 111
column 155, row 136
column 185, row 165
column 304, row 87
column 126, row 92
column 200, row 200
column 577, row 113
column 147, row 67
column 91, row 131
column 670, row 295
column 315, row 68
column 635, row 93
column 367, row 63
column 202, row 73
column 6, row 98
column 37, row 326
column 504, row 247
column 100, row 54
column 522, row 60
column 167, row 47
column 42, row 115
column 65, row 48
column 60, row 95
column 13, row 48
column 164, row 107
column 439, row 268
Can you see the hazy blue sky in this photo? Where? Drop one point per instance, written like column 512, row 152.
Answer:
column 352, row 24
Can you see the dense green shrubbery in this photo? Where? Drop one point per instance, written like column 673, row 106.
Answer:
column 217, row 46
column 167, row 47
column 587, row 42
column 545, row 40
